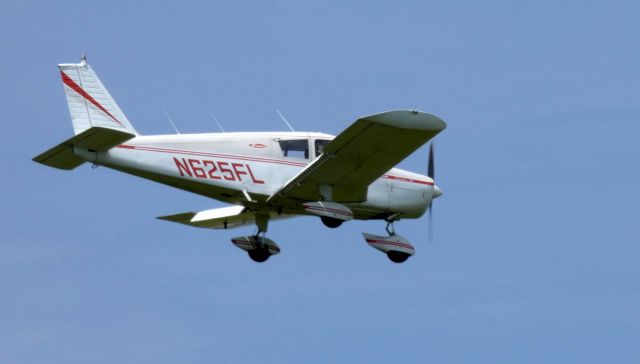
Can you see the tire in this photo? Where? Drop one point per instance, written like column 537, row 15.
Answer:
column 397, row 257
column 259, row 255
column 330, row 222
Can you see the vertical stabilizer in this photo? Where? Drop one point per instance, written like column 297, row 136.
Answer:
column 90, row 104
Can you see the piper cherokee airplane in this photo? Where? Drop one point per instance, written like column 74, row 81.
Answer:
column 263, row 175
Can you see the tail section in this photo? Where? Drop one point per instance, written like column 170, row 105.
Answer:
column 94, row 139
column 98, row 122
column 90, row 104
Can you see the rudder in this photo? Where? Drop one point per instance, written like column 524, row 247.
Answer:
column 90, row 104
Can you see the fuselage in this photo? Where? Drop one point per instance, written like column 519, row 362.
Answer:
column 246, row 168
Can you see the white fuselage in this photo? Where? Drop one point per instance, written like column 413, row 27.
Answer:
column 232, row 167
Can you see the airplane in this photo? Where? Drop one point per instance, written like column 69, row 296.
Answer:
column 264, row 176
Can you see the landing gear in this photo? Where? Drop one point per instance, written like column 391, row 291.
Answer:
column 390, row 230
column 258, row 246
column 331, row 222
column 260, row 252
column 397, row 257
column 259, row 255
column 397, row 248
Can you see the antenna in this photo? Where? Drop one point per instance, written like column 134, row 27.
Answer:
column 171, row 121
column 285, row 120
column 217, row 122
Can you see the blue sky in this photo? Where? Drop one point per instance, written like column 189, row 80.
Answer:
column 536, row 242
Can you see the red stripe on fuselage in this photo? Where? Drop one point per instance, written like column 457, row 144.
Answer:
column 75, row 87
column 253, row 159
column 206, row 154
column 397, row 178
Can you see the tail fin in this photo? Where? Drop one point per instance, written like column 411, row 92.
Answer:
column 98, row 122
column 90, row 104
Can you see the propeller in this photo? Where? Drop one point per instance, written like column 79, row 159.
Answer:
column 431, row 173
column 431, row 167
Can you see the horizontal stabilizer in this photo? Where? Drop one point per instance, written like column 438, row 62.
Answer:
column 97, row 139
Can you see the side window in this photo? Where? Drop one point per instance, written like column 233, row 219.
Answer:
column 320, row 145
column 295, row 148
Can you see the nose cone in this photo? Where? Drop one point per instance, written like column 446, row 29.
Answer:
column 437, row 192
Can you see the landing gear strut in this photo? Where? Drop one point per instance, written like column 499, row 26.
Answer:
column 390, row 230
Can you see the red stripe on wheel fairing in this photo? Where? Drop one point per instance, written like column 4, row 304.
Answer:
column 318, row 208
column 386, row 242
column 74, row 86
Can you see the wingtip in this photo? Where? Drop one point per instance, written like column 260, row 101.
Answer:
column 409, row 119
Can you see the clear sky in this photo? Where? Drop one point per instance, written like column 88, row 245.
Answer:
column 535, row 255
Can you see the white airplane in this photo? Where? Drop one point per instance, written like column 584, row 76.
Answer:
column 263, row 175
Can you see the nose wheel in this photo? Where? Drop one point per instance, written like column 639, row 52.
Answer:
column 396, row 248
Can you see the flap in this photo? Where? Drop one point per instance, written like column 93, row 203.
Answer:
column 220, row 218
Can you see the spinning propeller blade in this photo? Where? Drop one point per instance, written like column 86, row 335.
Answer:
column 431, row 222
column 431, row 173
column 431, row 166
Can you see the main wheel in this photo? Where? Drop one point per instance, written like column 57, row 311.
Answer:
column 397, row 257
column 259, row 255
column 331, row 222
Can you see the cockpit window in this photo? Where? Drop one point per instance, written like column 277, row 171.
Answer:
column 320, row 145
column 295, row 148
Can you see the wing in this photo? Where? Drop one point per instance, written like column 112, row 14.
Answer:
column 361, row 154
column 221, row 218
